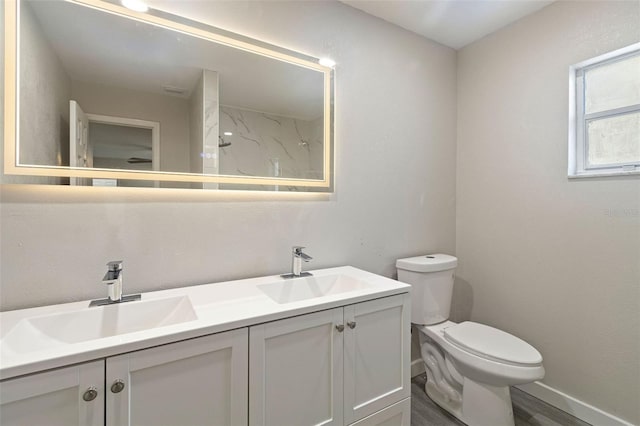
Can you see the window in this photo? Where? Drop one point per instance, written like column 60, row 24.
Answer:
column 604, row 129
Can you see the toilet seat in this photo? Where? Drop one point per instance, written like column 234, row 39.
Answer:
column 493, row 344
column 476, row 364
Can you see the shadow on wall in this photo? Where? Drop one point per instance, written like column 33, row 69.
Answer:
column 390, row 271
column 462, row 301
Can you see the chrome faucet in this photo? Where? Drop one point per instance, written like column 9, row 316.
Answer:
column 296, row 263
column 113, row 280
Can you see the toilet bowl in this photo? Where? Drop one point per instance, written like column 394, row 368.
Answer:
column 469, row 366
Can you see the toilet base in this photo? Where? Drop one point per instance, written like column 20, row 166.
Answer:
column 441, row 386
column 474, row 403
column 453, row 406
column 481, row 405
column 486, row 405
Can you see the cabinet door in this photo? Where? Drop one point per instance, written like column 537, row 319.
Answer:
column 376, row 355
column 55, row 397
column 295, row 371
column 399, row 414
column 202, row 381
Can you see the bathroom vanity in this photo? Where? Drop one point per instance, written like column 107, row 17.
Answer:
column 328, row 349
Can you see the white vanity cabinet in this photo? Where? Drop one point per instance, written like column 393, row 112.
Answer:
column 202, row 381
column 63, row 397
column 331, row 349
column 332, row 367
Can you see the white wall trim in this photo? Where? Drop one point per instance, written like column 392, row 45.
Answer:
column 571, row 405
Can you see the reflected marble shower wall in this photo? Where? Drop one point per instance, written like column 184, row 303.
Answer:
column 211, row 126
column 270, row 145
column 204, row 129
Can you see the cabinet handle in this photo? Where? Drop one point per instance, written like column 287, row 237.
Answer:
column 90, row 394
column 340, row 328
column 351, row 324
column 117, row 386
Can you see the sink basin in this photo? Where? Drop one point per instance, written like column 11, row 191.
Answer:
column 297, row 289
column 43, row 332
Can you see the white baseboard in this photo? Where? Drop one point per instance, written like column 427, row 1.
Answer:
column 560, row 400
column 417, row 367
column 571, row 405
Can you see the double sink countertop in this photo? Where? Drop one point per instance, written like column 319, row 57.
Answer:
column 46, row 337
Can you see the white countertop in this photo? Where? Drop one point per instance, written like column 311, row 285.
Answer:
column 218, row 306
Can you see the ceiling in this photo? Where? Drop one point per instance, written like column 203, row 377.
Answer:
column 454, row 23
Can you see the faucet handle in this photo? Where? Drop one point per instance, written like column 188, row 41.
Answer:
column 115, row 265
column 297, row 252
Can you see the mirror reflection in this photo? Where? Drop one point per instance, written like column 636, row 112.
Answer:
column 99, row 90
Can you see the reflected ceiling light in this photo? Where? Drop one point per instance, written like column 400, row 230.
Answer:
column 228, row 134
column 327, row 62
column 135, row 5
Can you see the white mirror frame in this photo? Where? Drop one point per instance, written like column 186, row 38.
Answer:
column 11, row 106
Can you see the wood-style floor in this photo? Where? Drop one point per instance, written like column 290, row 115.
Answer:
column 527, row 410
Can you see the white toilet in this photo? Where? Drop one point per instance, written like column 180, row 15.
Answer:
column 469, row 366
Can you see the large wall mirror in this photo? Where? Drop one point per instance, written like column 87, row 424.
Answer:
column 96, row 94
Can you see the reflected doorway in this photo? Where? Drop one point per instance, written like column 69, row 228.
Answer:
column 124, row 144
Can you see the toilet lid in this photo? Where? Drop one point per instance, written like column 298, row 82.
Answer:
column 491, row 343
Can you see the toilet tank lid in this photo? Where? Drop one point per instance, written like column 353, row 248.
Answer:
column 428, row 263
column 491, row 343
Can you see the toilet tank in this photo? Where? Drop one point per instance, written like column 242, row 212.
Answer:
column 431, row 278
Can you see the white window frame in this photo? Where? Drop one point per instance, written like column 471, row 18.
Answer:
column 578, row 143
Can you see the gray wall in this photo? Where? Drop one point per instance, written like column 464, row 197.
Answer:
column 395, row 178
column 552, row 260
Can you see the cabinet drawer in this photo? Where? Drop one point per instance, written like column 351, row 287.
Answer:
column 399, row 414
